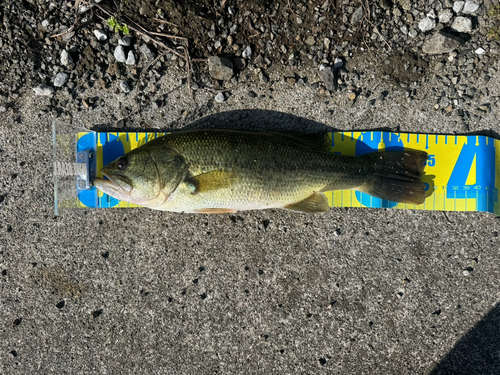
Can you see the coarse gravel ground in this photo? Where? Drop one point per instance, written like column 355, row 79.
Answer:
column 353, row 291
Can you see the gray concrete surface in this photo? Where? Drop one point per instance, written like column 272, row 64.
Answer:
column 353, row 291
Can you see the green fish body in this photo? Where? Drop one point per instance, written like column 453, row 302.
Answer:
column 217, row 171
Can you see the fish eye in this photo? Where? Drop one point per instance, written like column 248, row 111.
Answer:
column 121, row 164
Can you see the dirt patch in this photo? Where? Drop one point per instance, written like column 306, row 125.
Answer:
column 404, row 67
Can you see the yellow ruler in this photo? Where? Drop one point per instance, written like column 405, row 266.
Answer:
column 461, row 172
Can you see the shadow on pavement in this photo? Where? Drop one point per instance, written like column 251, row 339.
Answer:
column 478, row 352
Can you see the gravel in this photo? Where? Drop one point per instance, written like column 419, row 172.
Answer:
column 220, row 98
column 470, row 7
column 100, row 35
column 124, row 86
column 147, row 53
column 440, row 43
column 220, row 68
column 119, row 54
column 130, row 58
column 66, row 59
column 44, row 90
column 61, row 79
column 462, row 25
column 427, row 24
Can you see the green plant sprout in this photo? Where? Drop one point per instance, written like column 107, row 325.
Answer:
column 116, row 27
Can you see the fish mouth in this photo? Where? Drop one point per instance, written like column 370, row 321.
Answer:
column 114, row 183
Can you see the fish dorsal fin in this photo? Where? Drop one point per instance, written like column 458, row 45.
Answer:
column 211, row 181
column 317, row 202
column 315, row 141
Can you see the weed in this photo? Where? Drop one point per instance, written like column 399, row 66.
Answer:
column 116, row 27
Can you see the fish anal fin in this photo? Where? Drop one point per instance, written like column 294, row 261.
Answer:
column 317, row 202
column 216, row 211
column 211, row 181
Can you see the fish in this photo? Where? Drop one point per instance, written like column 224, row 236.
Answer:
column 226, row 171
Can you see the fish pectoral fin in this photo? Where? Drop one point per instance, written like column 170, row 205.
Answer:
column 211, row 181
column 216, row 211
column 317, row 202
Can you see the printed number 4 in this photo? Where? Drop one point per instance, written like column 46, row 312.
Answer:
column 431, row 162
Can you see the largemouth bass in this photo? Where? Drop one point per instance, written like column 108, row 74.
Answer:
column 218, row 171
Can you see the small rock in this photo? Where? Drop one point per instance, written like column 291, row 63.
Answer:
column 458, row 6
column 2, row 108
column 124, row 87
column 412, row 33
column 352, row 96
column 120, row 54
column 66, row 59
column 441, row 42
column 45, row 23
column 43, row 90
column 299, row 20
column 219, row 98
column 449, row 108
column 252, row 94
column 148, row 54
column 338, row 63
column 405, row 4
column 328, row 78
column 220, row 68
column 239, row 63
column 445, row 15
column 61, row 79
column 462, row 25
column 357, row 16
column 427, row 24
column 291, row 81
column 470, row 7
column 130, row 58
column 100, row 35
column 480, row 51
column 310, row 40
column 247, row 53
column 68, row 36
column 124, row 42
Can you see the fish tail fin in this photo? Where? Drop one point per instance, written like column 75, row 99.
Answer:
column 397, row 176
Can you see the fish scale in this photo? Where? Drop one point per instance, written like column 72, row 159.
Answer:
column 273, row 169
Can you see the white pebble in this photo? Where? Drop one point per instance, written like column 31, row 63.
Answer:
column 219, row 98
column 445, row 15
column 43, row 90
column 458, row 6
column 124, row 41
column 480, row 51
column 65, row 58
column 124, row 87
column 470, row 7
column 100, row 35
column 60, row 79
column 45, row 23
column 247, row 53
column 120, row 54
column 130, row 58
column 427, row 24
column 462, row 25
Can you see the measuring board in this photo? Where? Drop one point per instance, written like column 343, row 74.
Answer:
column 462, row 173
